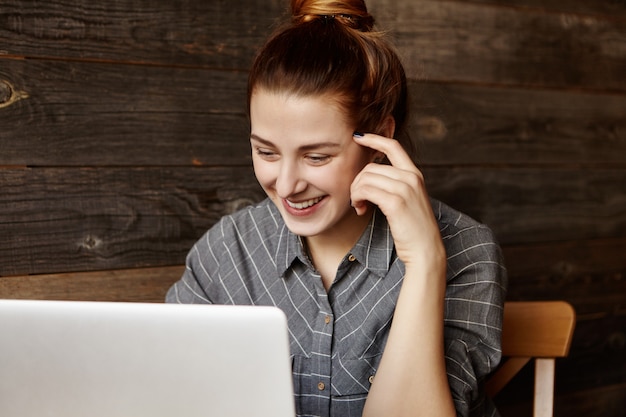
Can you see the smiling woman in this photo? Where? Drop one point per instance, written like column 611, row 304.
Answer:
column 394, row 300
column 307, row 167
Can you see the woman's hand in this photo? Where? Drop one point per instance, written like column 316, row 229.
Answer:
column 399, row 191
column 411, row 379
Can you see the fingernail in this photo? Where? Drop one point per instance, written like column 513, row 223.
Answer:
column 358, row 134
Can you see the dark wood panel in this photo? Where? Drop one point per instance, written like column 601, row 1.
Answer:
column 454, row 41
column 589, row 274
column 64, row 220
column 532, row 205
column 70, row 113
column 482, row 43
column 76, row 114
column 132, row 285
column 461, row 125
column 614, row 9
column 68, row 219
column 216, row 33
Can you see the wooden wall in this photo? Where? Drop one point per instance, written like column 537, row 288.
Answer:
column 123, row 137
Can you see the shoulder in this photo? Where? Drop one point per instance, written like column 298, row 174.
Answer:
column 468, row 242
column 451, row 220
column 251, row 225
column 458, row 227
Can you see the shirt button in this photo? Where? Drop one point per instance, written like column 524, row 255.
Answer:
column 321, row 386
column 371, row 379
column 351, row 258
column 327, row 319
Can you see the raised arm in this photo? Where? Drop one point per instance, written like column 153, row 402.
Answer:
column 411, row 379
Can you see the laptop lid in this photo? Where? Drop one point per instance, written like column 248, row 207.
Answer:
column 77, row 359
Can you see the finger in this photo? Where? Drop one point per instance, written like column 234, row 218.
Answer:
column 386, row 191
column 392, row 172
column 390, row 147
column 391, row 179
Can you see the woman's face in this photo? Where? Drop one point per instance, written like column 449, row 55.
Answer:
column 305, row 159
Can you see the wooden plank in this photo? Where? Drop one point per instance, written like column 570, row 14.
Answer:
column 132, row 285
column 590, row 274
column 463, row 125
column 71, row 219
column 212, row 34
column 533, row 205
column 69, row 113
column 482, row 43
column 102, row 115
column 65, row 220
column 615, row 9
column 451, row 41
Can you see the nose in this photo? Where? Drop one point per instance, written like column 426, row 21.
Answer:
column 289, row 181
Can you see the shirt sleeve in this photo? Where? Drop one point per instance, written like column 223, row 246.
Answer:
column 475, row 294
column 191, row 288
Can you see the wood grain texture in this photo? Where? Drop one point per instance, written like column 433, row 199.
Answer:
column 108, row 115
column 79, row 114
column 589, row 274
column 456, row 41
column 146, row 285
column 536, row 205
column 464, row 125
column 615, row 9
column 63, row 220
column 216, row 34
column 452, row 40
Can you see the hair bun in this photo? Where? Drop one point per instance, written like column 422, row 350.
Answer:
column 352, row 13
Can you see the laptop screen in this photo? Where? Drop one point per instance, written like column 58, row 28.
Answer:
column 77, row 359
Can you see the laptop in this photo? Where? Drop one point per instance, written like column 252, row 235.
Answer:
column 97, row 359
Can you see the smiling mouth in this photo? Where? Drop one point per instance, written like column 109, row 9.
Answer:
column 304, row 204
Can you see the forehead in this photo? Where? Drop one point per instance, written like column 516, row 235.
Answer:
column 277, row 114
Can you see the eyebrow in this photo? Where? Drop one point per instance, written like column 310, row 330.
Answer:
column 310, row 147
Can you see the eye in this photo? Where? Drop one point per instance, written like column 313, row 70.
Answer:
column 318, row 159
column 266, row 154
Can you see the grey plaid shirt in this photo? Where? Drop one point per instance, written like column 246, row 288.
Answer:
column 337, row 337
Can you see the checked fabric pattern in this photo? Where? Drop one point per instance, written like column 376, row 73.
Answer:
column 337, row 337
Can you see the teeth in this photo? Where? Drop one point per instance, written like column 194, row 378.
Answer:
column 304, row 204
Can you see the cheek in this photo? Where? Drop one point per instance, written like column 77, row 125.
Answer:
column 262, row 172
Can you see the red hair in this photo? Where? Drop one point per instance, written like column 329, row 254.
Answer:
column 331, row 49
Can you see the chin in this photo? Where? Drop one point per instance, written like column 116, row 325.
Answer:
column 303, row 230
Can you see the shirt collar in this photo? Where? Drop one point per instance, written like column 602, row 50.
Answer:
column 374, row 249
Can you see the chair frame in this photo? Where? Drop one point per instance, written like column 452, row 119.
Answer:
column 540, row 330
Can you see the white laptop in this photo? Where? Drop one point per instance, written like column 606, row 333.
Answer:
column 101, row 359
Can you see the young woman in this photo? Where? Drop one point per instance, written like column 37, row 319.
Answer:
column 394, row 300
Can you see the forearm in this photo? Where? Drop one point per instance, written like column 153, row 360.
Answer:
column 411, row 379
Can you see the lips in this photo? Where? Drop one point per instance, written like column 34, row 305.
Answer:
column 301, row 205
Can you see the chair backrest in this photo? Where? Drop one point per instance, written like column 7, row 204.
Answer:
column 540, row 330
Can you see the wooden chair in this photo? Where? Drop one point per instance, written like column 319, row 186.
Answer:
column 537, row 329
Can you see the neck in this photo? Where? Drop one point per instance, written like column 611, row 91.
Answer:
column 327, row 250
